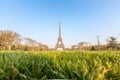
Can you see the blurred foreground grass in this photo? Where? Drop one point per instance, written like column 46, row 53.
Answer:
column 79, row 65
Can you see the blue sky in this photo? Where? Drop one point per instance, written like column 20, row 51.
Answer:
column 82, row 20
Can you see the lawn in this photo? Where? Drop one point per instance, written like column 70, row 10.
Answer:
column 79, row 65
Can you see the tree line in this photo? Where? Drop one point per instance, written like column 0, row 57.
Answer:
column 10, row 40
column 111, row 44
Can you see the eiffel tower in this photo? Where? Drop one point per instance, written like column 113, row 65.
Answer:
column 59, row 45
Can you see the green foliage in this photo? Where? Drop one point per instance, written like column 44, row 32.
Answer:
column 112, row 43
column 85, row 65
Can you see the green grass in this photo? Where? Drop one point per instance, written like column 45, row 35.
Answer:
column 80, row 65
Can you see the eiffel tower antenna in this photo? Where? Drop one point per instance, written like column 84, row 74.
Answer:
column 59, row 29
column 59, row 45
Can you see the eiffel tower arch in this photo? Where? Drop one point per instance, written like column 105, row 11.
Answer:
column 59, row 45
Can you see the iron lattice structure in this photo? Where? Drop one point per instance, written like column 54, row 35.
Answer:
column 59, row 45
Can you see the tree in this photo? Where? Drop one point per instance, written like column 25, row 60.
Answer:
column 93, row 48
column 10, row 40
column 112, row 43
column 31, row 43
column 7, row 38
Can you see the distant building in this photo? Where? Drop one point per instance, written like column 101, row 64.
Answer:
column 82, row 46
column 75, row 47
